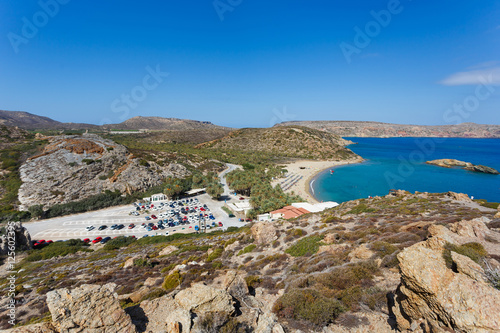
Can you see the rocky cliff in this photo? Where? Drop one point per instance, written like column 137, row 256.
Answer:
column 76, row 167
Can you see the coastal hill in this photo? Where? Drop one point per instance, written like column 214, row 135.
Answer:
column 385, row 130
column 290, row 141
column 159, row 123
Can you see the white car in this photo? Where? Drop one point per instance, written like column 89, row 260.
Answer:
column 90, row 227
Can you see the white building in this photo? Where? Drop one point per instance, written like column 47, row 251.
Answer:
column 156, row 197
column 316, row 208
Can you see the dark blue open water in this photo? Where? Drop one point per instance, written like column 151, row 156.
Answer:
column 399, row 163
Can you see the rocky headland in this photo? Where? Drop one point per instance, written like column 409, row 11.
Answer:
column 450, row 163
column 76, row 167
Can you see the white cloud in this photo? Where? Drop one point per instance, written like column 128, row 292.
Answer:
column 481, row 76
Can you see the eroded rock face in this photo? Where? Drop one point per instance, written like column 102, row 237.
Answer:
column 264, row 233
column 438, row 298
column 89, row 308
column 459, row 196
column 76, row 167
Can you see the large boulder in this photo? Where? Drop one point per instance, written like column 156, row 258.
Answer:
column 264, row 233
column 439, row 298
column 163, row 314
column 175, row 313
column 89, row 308
column 201, row 298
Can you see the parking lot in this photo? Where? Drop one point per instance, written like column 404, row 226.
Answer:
column 171, row 213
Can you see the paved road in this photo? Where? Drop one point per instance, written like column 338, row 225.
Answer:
column 73, row 226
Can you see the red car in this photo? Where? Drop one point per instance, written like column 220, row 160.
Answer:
column 97, row 240
column 220, row 224
column 86, row 240
column 154, row 227
column 153, row 217
column 131, row 226
column 241, row 198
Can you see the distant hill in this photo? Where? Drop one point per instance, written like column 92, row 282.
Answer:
column 159, row 123
column 290, row 141
column 381, row 130
column 31, row 121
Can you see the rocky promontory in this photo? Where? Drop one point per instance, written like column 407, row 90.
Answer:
column 450, row 163
column 75, row 167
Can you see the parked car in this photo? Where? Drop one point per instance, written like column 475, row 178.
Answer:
column 131, row 226
column 104, row 240
column 220, row 224
column 86, row 240
column 90, row 227
column 102, row 227
column 97, row 240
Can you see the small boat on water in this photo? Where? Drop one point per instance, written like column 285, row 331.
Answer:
column 331, row 172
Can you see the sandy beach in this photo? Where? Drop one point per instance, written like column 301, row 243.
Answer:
column 301, row 173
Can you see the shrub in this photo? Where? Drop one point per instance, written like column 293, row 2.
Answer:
column 247, row 249
column 253, row 281
column 361, row 208
column 143, row 262
column 172, row 281
column 305, row 247
column 383, row 248
column 493, row 275
column 215, row 254
column 154, row 293
column 348, row 276
column 58, row 249
column 88, row 161
column 474, row 251
column 308, row 305
column 118, row 242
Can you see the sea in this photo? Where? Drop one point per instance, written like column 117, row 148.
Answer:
column 399, row 163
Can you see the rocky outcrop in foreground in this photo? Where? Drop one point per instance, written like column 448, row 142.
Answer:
column 449, row 163
column 201, row 308
column 76, row 167
column 435, row 298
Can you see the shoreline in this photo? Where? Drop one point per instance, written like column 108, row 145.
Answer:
column 304, row 177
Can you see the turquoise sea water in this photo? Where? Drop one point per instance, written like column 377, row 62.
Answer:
column 399, row 163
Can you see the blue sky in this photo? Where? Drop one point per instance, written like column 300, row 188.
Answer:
column 245, row 63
